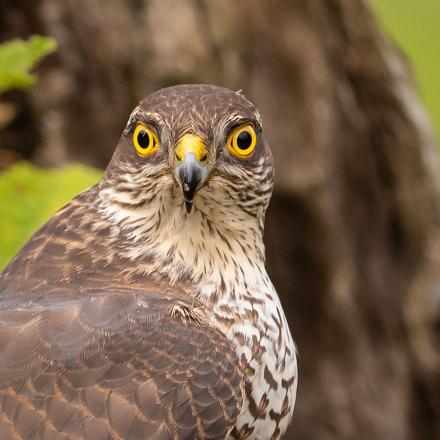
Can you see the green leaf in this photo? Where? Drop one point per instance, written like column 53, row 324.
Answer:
column 30, row 196
column 18, row 57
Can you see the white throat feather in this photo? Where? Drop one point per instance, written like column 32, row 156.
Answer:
column 218, row 246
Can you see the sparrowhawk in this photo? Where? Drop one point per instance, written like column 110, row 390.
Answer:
column 143, row 309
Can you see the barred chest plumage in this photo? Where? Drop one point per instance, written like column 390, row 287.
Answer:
column 247, row 308
column 251, row 316
column 256, row 325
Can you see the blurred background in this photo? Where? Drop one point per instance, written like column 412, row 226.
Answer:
column 350, row 97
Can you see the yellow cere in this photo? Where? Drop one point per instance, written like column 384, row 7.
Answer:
column 145, row 140
column 242, row 141
column 191, row 143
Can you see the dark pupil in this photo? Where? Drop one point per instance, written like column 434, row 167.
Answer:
column 144, row 139
column 244, row 140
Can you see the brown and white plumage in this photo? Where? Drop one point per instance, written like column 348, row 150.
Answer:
column 143, row 309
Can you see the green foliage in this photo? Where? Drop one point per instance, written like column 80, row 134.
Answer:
column 18, row 57
column 414, row 24
column 30, row 195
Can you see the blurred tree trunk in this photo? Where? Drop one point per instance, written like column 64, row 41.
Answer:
column 353, row 231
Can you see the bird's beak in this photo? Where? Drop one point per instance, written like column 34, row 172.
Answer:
column 190, row 170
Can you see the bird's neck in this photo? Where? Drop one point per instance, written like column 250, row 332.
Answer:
column 216, row 247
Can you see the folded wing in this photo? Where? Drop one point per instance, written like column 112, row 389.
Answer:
column 118, row 364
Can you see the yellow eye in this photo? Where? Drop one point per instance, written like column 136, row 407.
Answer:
column 242, row 141
column 145, row 140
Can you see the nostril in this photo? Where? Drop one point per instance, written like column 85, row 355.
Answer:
column 203, row 158
column 177, row 156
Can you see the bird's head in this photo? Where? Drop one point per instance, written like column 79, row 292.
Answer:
column 197, row 148
column 189, row 183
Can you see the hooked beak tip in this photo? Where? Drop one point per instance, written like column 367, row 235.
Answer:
column 188, row 206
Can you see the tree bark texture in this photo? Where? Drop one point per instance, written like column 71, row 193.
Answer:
column 353, row 229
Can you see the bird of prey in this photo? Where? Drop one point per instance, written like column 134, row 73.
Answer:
column 143, row 309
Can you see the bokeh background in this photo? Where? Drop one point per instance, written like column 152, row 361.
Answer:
column 350, row 97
